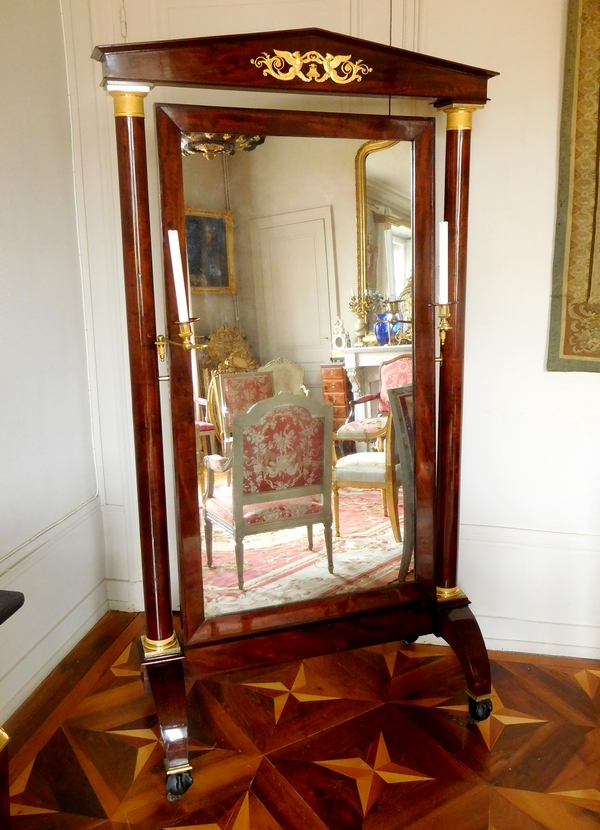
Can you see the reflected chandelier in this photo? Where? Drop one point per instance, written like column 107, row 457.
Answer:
column 211, row 144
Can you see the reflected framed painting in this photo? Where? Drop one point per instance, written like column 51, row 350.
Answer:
column 209, row 244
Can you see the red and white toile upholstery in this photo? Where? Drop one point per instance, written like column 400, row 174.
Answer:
column 237, row 393
column 367, row 429
column 280, row 474
column 221, row 506
column 392, row 373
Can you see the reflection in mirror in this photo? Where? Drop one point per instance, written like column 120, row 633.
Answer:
column 293, row 203
column 384, row 226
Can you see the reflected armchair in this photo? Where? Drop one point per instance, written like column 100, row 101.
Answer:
column 281, row 474
column 287, row 376
column 392, row 373
column 237, row 392
column 205, row 436
column 401, row 404
column 367, row 470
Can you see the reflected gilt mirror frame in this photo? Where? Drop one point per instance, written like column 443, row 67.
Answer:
column 309, row 61
column 362, row 155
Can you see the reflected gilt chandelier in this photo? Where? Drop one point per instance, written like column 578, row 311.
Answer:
column 210, row 145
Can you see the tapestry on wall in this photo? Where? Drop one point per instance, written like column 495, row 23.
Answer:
column 574, row 343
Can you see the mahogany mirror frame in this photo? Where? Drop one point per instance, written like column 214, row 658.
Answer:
column 433, row 603
column 172, row 120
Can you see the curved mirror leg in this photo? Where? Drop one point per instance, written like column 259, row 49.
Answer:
column 166, row 681
column 461, row 631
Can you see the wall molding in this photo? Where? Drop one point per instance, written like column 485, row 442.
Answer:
column 533, row 591
column 37, row 546
column 63, row 582
column 405, row 24
column 24, row 677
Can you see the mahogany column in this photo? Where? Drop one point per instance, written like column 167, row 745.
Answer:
column 162, row 659
column 456, row 203
column 455, row 620
column 141, row 328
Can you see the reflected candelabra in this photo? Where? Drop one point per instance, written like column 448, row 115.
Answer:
column 399, row 323
column 394, row 319
column 361, row 306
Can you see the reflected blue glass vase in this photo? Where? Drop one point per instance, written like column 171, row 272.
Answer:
column 381, row 329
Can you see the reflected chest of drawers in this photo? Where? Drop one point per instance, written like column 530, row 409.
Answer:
column 337, row 391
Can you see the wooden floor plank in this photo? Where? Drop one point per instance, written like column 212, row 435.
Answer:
column 374, row 739
column 41, row 714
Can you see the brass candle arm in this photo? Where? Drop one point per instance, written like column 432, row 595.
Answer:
column 444, row 314
column 186, row 334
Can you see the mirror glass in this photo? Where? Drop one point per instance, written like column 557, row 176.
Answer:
column 389, row 218
column 384, row 222
column 288, row 211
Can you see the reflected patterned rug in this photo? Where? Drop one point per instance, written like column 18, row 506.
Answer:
column 279, row 568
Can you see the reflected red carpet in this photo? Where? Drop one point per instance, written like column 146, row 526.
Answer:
column 279, row 567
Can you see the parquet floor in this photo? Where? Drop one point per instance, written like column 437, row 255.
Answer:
column 377, row 738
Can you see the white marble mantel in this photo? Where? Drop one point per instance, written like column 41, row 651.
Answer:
column 362, row 364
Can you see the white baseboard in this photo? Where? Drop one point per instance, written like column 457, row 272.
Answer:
column 24, row 678
column 540, row 638
column 125, row 596
column 533, row 591
column 497, row 635
column 62, row 579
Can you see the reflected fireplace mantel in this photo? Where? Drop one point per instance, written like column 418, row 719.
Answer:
column 359, row 359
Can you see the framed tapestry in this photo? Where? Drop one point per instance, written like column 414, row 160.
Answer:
column 209, row 243
column 574, row 343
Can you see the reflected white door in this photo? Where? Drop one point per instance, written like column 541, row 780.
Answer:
column 296, row 289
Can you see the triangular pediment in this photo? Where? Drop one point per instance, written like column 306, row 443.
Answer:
column 301, row 60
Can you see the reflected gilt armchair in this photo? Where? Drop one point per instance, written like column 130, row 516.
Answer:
column 287, row 376
column 392, row 373
column 367, row 470
column 281, row 474
column 205, row 437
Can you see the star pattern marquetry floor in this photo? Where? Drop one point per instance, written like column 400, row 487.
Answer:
column 377, row 738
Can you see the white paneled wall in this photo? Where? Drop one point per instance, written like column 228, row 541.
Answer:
column 51, row 538
column 162, row 19
column 530, row 536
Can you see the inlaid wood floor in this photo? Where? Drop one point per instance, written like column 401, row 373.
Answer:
column 376, row 738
